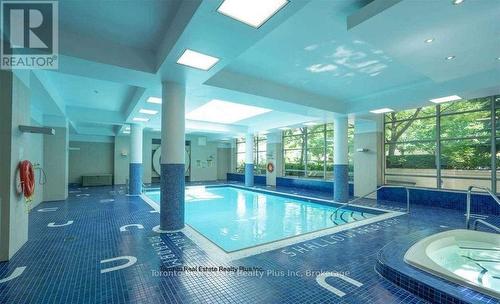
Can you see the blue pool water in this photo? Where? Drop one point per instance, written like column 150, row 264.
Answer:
column 235, row 218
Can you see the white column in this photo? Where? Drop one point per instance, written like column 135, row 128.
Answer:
column 172, row 157
column 136, row 132
column 273, row 156
column 340, row 144
column 340, row 160
column 249, row 165
column 135, row 167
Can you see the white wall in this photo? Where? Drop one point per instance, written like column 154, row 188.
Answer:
column 35, row 155
column 55, row 159
column 200, row 171
column 14, row 111
column 203, row 160
column 223, row 161
column 90, row 158
column 121, row 162
column 367, row 165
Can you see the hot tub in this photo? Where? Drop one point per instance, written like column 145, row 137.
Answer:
column 465, row 257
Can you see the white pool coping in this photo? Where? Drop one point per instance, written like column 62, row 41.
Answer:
column 219, row 254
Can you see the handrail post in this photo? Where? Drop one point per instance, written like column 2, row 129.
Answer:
column 467, row 213
column 407, row 200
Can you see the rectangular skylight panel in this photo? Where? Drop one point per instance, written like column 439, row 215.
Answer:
column 381, row 111
column 220, row 111
column 155, row 100
column 149, row 112
column 446, row 99
column 310, row 123
column 251, row 12
column 197, row 60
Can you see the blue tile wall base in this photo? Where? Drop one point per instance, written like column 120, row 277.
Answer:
column 249, row 182
column 324, row 186
column 482, row 204
column 135, row 179
column 172, row 187
column 390, row 264
column 239, row 177
column 341, row 180
column 320, row 185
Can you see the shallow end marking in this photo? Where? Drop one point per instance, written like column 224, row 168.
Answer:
column 131, row 260
column 16, row 273
column 54, row 225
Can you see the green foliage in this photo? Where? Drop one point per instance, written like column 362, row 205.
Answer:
column 411, row 136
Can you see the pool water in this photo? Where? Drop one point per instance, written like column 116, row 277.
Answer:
column 235, row 219
column 473, row 261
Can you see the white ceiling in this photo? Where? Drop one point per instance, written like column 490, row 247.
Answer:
column 306, row 63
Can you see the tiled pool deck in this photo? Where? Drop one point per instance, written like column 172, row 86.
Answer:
column 65, row 264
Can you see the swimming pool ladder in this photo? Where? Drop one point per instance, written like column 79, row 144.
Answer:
column 334, row 214
column 468, row 214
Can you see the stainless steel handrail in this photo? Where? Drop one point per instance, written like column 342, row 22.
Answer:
column 370, row 193
column 469, row 198
column 491, row 226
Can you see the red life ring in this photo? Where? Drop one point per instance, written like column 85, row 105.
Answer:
column 270, row 167
column 27, row 176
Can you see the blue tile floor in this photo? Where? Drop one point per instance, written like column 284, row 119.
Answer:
column 67, row 264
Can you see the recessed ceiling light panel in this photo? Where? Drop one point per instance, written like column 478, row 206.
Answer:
column 141, row 119
column 446, row 99
column 430, row 40
column 381, row 111
column 149, row 112
column 457, row 2
column 197, row 60
column 251, row 12
column 310, row 123
column 220, row 111
column 450, row 58
column 155, row 100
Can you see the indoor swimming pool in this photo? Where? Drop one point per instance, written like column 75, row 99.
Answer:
column 235, row 218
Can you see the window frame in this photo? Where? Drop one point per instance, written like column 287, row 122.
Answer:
column 491, row 139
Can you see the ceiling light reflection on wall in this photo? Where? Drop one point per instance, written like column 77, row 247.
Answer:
column 457, row 2
column 284, row 128
column 197, row 60
column 149, row 112
column 220, row 111
column 382, row 111
column 446, row 99
column 310, row 123
column 251, row 12
column 450, row 58
column 155, row 100
column 430, row 40
column 141, row 119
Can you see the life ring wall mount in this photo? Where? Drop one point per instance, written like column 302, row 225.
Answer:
column 27, row 179
column 270, row 167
